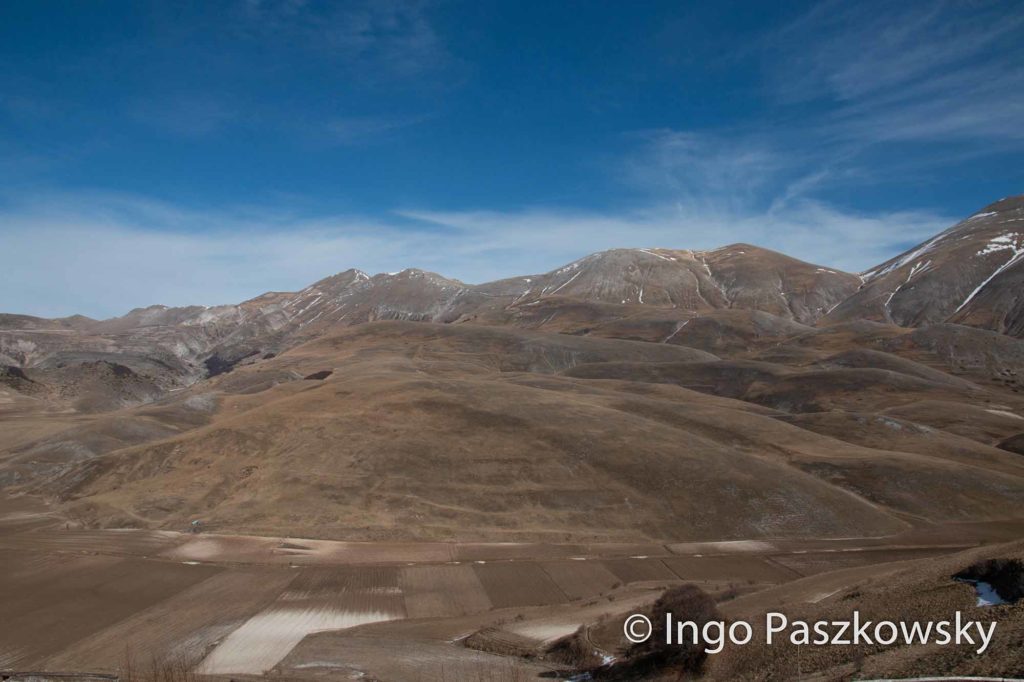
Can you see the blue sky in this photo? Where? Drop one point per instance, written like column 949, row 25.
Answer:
column 205, row 152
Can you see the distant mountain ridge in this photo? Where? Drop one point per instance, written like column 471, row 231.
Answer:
column 970, row 274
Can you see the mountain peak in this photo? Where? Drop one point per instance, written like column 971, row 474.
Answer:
column 950, row 275
column 1010, row 203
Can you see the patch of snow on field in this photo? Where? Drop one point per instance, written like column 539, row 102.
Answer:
column 545, row 632
column 204, row 548
column 266, row 638
column 725, row 546
column 743, row 545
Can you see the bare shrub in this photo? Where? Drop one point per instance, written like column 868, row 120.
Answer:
column 509, row 671
column 158, row 669
column 1006, row 576
column 729, row 593
column 655, row 658
column 574, row 650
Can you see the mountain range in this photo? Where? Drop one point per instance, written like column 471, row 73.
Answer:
column 595, row 401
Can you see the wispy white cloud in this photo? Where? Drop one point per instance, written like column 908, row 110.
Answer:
column 105, row 254
column 910, row 71
column 102, row 255
column 859, row 95
column 730, row 167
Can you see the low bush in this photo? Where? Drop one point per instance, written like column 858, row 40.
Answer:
column 654, row 658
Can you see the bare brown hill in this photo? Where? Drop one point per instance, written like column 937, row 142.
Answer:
column 468, row 432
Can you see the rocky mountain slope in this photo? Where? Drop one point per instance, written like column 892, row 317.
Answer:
column 969, row 274
column 737, row 276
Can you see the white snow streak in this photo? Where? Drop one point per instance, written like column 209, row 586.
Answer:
column 567, row 283
column 1017, row 253
column 913, row 271
column 921, row 250
column 675, row 331
column 981, row 215
column 656, row 255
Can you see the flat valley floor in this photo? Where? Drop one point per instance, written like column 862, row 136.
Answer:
column 98, row 600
